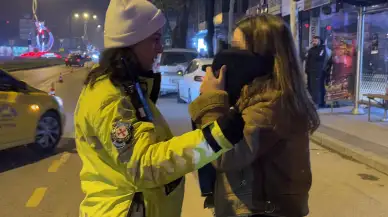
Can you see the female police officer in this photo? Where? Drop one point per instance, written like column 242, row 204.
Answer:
column 132, row 166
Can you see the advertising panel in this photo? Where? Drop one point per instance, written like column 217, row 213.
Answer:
column 341, row 84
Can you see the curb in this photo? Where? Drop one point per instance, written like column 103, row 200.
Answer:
column 362, row 156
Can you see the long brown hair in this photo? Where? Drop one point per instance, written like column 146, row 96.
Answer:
column 269, row 34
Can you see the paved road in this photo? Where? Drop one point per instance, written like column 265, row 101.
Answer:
column 43, row 77
column 49, row 187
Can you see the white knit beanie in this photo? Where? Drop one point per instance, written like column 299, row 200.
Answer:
column 128, row 22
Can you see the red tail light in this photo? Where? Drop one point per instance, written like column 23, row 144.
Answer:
column 66, row 59
column 78, row 60
column 198, row 78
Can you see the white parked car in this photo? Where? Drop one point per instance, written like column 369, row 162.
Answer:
column 171, row 64
column 188, row 88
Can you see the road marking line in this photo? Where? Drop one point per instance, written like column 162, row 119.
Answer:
column 36, row 197
column 58, row 163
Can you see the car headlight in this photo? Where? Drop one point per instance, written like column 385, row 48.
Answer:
column 180, row 72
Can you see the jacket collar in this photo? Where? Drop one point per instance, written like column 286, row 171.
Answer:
column 151, row 86
column 146, row 84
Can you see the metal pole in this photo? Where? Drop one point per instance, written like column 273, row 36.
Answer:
column 294, row 23
column 357, row 110
column 86, row 30
column 70, row 30
column 231, row 21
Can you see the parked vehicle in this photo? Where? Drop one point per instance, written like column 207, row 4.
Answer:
column 188, row 87
column 171, row 64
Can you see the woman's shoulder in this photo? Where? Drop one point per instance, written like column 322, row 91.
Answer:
column 102, row 93
column 262, row 109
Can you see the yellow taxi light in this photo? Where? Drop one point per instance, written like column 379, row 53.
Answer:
column 34, row 107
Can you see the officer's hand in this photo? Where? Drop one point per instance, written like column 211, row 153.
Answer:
column 211, row 83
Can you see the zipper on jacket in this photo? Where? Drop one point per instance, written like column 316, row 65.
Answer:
column 243, row 182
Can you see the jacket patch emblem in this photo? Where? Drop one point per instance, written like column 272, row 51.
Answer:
column 121, row 134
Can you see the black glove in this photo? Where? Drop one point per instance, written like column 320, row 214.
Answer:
column 232, row 125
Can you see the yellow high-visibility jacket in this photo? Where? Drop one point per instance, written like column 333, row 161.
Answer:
column 122, row 155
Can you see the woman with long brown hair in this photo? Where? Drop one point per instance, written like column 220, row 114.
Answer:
column 268, row 173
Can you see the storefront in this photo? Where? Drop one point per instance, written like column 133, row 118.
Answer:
column 269, row 6
column 338, row 27
column 199, row 40
column 374, row 76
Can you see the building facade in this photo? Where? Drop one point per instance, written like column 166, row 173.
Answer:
column 334, row 21
column 221, row 20
column 337, row 24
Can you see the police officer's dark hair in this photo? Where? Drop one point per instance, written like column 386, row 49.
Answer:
column 108, row 65
column 317, row 37
column 320, row 39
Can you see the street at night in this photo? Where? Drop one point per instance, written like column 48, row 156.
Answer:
column 32, row 186
column 298, row 88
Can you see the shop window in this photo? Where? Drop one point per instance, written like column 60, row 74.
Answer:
column 304, row 37
column 375, row 54
column 304, row 32
column 340, row 32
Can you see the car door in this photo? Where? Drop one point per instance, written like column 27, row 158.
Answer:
column 15, row 121
column 183, row 84
column 189, row 77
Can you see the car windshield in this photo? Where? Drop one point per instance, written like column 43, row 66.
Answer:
column 173, row 58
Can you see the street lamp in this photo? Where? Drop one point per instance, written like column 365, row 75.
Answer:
column 86, row 16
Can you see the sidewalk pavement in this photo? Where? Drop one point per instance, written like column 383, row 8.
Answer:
column 352, row 136
column 193, row 202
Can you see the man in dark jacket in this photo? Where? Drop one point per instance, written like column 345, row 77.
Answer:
column 317, row 70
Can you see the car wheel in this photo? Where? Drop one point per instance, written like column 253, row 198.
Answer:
column 48, row 133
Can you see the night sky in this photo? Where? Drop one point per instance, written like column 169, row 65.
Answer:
column 54, row 12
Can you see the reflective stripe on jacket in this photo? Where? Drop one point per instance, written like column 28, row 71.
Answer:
column 122, row 155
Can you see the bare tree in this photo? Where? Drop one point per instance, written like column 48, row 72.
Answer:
column 182, row 9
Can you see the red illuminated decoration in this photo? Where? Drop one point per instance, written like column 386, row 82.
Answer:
column 328, row 28
column 40, row 55
column 7, row 22
column 306, row 25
